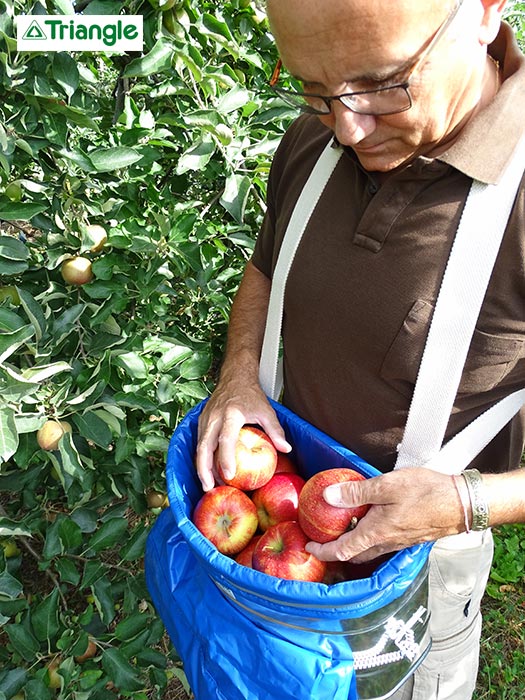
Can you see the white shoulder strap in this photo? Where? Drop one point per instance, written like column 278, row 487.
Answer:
column 270, row 371
column 459, row 301
column 462, row 291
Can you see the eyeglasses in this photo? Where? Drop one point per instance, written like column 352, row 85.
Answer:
column 390, row 99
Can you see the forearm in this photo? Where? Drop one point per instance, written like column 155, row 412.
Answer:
column 506, row 497
column 246, row 327
column 238, row 397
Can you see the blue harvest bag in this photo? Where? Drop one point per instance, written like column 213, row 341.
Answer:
column 243, row 635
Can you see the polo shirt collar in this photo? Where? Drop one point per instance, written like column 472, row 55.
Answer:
column 487, row 142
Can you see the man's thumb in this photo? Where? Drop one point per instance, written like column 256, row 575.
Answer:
column 344, row 495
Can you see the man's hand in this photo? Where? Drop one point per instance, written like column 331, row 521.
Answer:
column 408, row 506
column 229, row 408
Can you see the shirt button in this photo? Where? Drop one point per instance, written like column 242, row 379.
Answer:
column 372, row 188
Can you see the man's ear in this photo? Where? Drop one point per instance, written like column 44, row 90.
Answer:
column 492, row 12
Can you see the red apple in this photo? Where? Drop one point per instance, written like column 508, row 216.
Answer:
column 285, row 464
column 319, row 520
column 245, row 556
column 227, row 517
column 278, row 500
column 255, row 460
column 281, row 552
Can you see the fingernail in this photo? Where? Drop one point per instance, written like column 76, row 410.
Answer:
column 333, row 495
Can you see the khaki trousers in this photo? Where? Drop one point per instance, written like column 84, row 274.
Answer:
column 459, row 569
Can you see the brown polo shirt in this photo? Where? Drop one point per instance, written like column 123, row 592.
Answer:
column 363, row 284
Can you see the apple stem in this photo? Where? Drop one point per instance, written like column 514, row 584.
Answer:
column 224, row 523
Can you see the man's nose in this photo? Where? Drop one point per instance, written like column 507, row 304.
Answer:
column 349, row 127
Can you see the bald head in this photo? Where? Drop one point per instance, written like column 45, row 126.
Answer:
column 367, row 32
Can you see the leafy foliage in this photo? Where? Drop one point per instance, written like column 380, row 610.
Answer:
column 503, row 643
column 168, row 151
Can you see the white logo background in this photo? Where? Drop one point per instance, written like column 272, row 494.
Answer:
column 108, row 33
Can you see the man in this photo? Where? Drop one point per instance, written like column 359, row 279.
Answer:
column 423, row 97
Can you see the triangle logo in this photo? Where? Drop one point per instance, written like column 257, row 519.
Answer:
column 34, row 31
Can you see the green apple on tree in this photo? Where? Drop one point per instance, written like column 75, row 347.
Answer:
column 48, row 436
column 96, row 236
column 10, row 548
column 77, row 271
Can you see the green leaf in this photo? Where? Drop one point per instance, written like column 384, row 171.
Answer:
column 85, row 518
column 192, row 390
column 233, row 100
column 67, row 571
column 120, row 670
column 133, row 364
column 52, row 544
column 13, row 253
column 173, row 356
column 12, row 682
column 70, row 535
column 196, row 366
column 235, row 196
column 71, row 463
column 40, row 374
column 8, row 433
column 104, row 599
column 216, row 26
column 15, row 387
column 196, row 157
column 91, row 427
column 20, row 211
column 9, row 321
column 33, row 311
column 107, row 159
column 65, row 72
column 23, row 641
column 11, row 528
column 10, row 587
column 28, row 422
column 152, row 657
column 108, row 534
column 157, row 60
column 93, row 571
column 75, row 115
column 13, row 249
column 135, row 401
column 131, row 626
column 64, row 6
column 44, row 618
column 134, row 548
column 78, row 158
column 103, row 7
column 37, row 690
column 10, row 342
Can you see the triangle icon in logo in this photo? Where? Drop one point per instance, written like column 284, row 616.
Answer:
column 34, row 31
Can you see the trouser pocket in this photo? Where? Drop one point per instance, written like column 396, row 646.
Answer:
column 459, row 569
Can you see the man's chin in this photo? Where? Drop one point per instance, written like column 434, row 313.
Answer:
column 381, row 159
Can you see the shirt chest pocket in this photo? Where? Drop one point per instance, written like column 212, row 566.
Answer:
column 489, row 359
